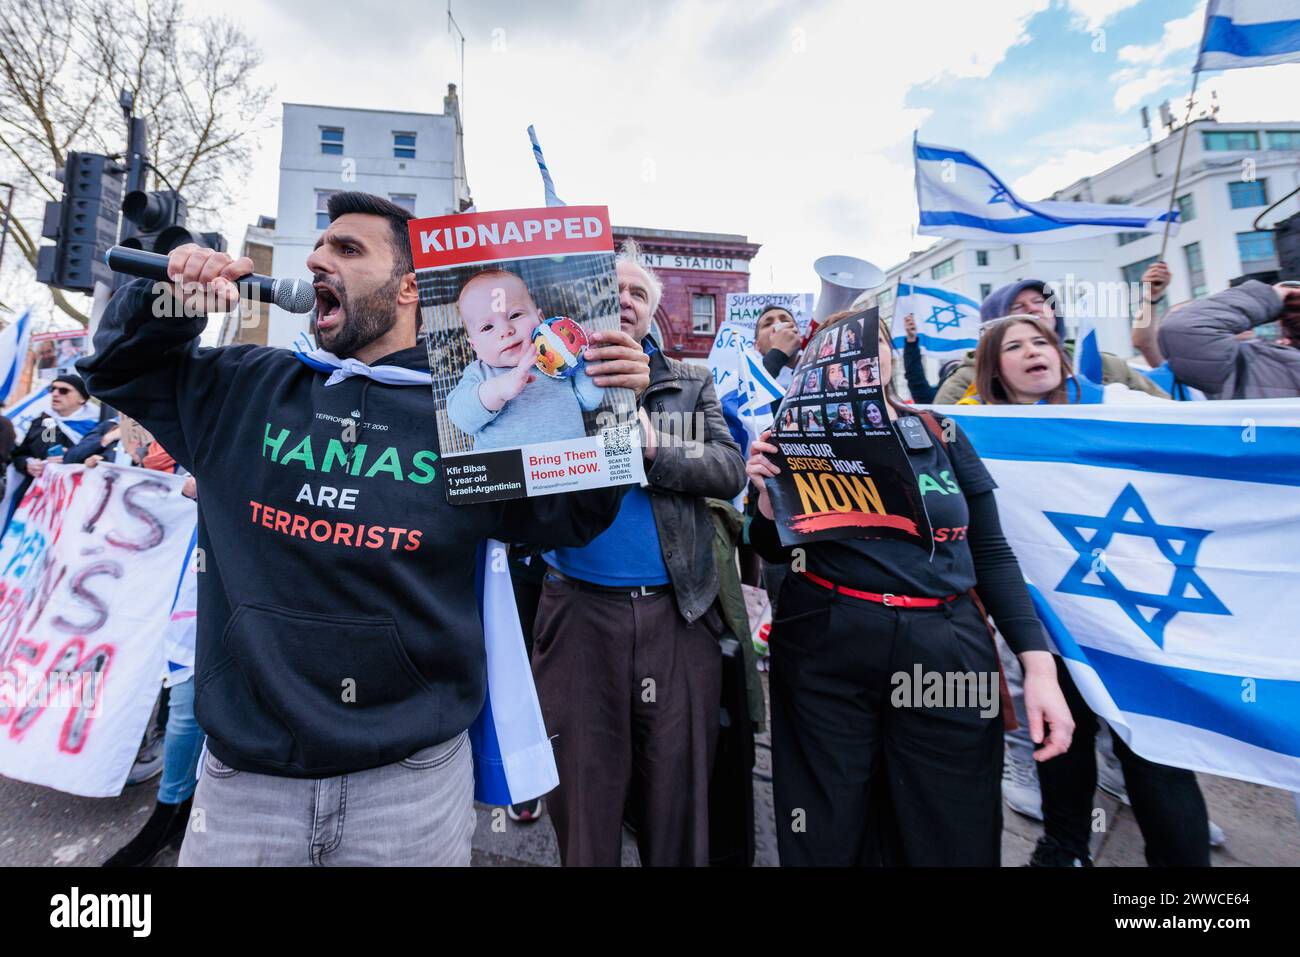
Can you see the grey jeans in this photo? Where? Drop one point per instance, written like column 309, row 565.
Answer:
column 417, row 812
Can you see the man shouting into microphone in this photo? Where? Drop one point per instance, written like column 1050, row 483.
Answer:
column 340, row 657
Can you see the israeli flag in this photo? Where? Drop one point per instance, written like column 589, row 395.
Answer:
column 1159, row 539
column 513, row 760
column 13, row 350
column 959, row 196
column 744, row 388
column 947, row 323
column 1242, row 33
column 1087, row 352
column 547, row 185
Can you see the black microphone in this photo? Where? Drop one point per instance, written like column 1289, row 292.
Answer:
column 291, row 295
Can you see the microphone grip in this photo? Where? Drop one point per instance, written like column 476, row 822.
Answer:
column 146, row 265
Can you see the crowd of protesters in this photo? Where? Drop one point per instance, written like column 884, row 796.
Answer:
column 620, row 591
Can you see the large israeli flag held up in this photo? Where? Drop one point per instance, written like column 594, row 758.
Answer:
column 947, row 323
column 960, row 197
column 1160, row 541
column 1242, row 33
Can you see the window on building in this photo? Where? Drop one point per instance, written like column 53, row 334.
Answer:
column 703, row 313
column 1186, row 208
column 331, row 140
column 1231, row 140
column 945, row 268
column 985, row 289
column 1015, row 251
column 1284, row 139
column 322, row 207
column 1195, row 270
column 404, row 200
column 404, row 145
column 1243, row 195
column 885, row 298
column 1133, row 271
column 981, row 257
column 1257, row 251
column 1123, row 239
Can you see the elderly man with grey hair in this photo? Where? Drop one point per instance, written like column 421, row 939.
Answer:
column 625, row 649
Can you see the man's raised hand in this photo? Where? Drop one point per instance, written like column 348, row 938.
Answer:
column 206, row 278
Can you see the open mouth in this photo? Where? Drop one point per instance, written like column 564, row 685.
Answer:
column 1037, row 368
column 328, row 307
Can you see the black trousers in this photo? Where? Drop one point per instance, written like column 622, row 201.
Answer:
column 1167, row 802
column 630, row 691
column 860, row 775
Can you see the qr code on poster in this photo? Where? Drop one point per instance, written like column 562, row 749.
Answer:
column 618, row 441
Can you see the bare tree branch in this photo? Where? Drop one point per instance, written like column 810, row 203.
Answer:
column 62, row 65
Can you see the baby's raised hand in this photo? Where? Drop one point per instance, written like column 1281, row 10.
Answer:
column 497, row 391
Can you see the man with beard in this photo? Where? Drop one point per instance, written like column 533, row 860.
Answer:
column 339, row 650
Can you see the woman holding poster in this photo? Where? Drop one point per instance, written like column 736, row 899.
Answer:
column 886, row 719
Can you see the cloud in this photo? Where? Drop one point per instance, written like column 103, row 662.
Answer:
column 1178, row 35
column 785, row 121
column 1091, row 14
column 1150, row 70
column 1135, row 85
column 1067, row 167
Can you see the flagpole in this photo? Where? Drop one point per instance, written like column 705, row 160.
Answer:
column 1178, row 167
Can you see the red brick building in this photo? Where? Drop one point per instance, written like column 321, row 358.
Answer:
column 697, row 270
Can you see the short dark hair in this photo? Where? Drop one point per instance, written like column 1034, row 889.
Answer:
column 340, row 204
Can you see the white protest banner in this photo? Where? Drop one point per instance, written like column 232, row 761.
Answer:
column 744, row 308
column 88, row 573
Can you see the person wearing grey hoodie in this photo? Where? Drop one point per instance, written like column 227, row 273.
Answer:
column 1035, row 297
column 1200, row 342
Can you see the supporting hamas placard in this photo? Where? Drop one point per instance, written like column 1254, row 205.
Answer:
column 844, row 473
column 508, row 301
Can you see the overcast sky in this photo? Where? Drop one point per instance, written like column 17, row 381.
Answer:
column 788, row 122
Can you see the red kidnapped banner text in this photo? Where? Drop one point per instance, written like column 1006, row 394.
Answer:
column 511, row 234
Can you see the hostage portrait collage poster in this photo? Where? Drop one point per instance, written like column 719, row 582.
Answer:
column 508, row 302
column 844, row 472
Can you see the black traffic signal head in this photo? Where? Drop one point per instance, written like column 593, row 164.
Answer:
column 83, row 224
column 149, row 217
column 155, row 222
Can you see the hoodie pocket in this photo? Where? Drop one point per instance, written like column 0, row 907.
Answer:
column 317, row 694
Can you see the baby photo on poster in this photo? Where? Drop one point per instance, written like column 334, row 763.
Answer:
column 508, row 302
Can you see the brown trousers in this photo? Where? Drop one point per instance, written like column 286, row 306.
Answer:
column 630, row 693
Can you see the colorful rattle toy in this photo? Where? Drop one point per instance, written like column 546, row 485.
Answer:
column 559, row 343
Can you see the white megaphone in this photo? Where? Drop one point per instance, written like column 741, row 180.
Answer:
column 844, row 278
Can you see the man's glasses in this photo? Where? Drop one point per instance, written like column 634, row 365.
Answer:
column 62, row 390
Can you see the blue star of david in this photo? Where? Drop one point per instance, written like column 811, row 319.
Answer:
column 1114, row 522
column 936, row 317
column 1000, row 194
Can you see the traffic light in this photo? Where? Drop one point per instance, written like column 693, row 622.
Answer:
column 155, row 222
column 83, row 224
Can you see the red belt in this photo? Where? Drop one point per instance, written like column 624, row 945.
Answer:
column 892, row 601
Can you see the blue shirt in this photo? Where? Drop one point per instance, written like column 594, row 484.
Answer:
column 626, row 553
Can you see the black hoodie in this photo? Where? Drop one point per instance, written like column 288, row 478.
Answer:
column 338, row 628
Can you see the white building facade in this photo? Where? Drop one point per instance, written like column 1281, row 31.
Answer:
column 417, row 160
column 1232, row 172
